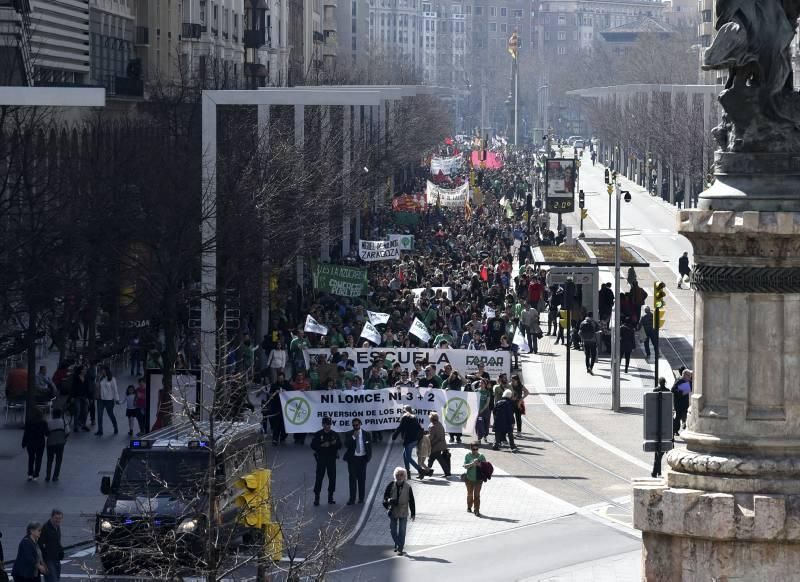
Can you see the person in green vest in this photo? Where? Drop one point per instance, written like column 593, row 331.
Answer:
column 443, row 336
column 335, row 337
column 296, row 347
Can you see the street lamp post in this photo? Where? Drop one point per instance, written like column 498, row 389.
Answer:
column 615, row 380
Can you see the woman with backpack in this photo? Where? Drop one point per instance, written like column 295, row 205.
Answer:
column 58, row 430
column 411, row 431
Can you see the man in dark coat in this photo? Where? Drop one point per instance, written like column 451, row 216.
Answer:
column 50, row 544
column 646, row 324
column 504, row 421
column 683, row 268
column 326, row 445
column 627, row 341
column 358, row 452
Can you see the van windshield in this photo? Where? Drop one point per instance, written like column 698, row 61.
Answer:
column 155, row 470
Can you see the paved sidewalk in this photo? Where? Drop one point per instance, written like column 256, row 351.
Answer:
column 506, row 503
column 620, row 568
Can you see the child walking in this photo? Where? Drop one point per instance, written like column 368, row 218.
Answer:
column 132, row 409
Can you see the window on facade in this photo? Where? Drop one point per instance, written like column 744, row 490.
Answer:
column 492, row 11
column 504, row 27
column 478, row 10
column 562, row 35
column 492, row 27
column 504, row 11
column 562, row 50
column 547, row 35
column 562, row 20
column 517, row 13
column 707, row 15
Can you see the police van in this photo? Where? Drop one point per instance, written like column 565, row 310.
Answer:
column 164, row 498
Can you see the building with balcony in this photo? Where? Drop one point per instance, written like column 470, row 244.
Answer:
column 16, row 61
column 111, row 54
column 212, row 42
column 60, row 41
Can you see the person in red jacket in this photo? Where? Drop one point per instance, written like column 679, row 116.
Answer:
column 535, row 291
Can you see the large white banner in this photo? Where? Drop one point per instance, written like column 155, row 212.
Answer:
column 377, row 409
column 379, row 250
column 445, row 165
column 447, row 197
column 406, row 241
column 465, row 361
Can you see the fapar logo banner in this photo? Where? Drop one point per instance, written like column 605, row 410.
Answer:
column 464, row 361
column 378, row 409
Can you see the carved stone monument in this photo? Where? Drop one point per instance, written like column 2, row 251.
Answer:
column 730, row 507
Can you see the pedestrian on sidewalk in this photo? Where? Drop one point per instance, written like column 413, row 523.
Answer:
column 358, row 452
column 662, row 387
column 504, row 421
column 682, row 391
column 485, row 406
column 50, row 545
column 646, row 325
column 411, row 431
column 588, row 332
column 29, row 565
column 398, row 500
column 684, row 271
column 530, row 324
column 109, row 396
column 326, row 445
column 520, row 393
column 627, row 341
column 80, row 398
column 472, row 479
column 438, row 442
column 57, row 431
column 33, row 439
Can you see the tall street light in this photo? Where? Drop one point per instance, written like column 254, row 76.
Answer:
column 513, row 49
column 615, row 347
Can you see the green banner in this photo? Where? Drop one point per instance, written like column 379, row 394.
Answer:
column 406, row 218
column 340, row 280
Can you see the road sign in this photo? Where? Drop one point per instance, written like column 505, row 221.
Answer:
column 658, row 421
column 559, row 276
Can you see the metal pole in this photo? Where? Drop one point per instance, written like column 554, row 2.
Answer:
column 615, row 380
column 655, row 350
column 609, row 212
column 567, row 332
column 516, row 94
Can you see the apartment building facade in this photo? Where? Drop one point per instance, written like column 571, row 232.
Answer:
column 59, row 41
column 112, row 25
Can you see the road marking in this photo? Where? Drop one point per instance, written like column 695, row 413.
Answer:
column 574, row 425
column 368, row 501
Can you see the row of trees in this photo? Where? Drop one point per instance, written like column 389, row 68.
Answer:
column 102, row 214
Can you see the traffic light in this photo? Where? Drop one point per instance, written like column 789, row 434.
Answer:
column 254, row 501
column 562, row 318
column 581, row 199
column 608, row 176
column 584, row 213
column 660, row 304
column 610, row 189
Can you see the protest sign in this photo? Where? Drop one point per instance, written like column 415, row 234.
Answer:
column 464, row 361
column 377, row 318
column 447, row 197
column 369, row 332
column 313, row 326
column 379, row 250
column 378, row 409
column 340, row 280
column 418, row 329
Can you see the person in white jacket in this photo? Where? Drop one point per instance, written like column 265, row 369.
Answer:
column 276, row 362
column 109, row 396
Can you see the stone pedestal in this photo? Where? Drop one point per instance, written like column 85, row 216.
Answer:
column 730, row 507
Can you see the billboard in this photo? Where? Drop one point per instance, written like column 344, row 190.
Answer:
column 560, row 177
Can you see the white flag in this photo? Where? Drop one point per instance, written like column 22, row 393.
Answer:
column 377, row 318
column 313, row 326
column 369, row 332
column 519, row 340
column 418, row 329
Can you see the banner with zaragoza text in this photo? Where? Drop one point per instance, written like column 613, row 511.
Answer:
column 377, row 409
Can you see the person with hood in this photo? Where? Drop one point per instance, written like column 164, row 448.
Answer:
column 504, row 421
column 411, row 431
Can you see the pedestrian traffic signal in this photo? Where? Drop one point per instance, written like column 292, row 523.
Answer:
column 608, row 176
column 584, row 213
column 660, row 304
column 562, row 318
column 581, row 199
column 254, row 499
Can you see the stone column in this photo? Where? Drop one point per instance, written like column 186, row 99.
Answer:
column 730, row 507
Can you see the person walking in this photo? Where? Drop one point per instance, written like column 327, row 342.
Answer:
column 277, row 360
column 646, row 325
column 504, row 421
column 29, row 565
column 682, row 391
column 50, row 545
column 662, row 387
column 627, row 341
column 33, row 439
column 438, row 442
column 398, row 500
column 326, row 444
column 358, row 452
column 588, row 334
column 80, row 397
column 684, row 271
column 109, row 396
column 411, row 431
column 520, row 393
column 57, row 432
column 485, row 405
column 472, row 479
column 530, row 324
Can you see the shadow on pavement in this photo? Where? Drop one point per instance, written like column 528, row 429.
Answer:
column 504, row 519
column 427, row 559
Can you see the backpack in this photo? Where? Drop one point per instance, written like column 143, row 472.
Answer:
column 586, row 330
